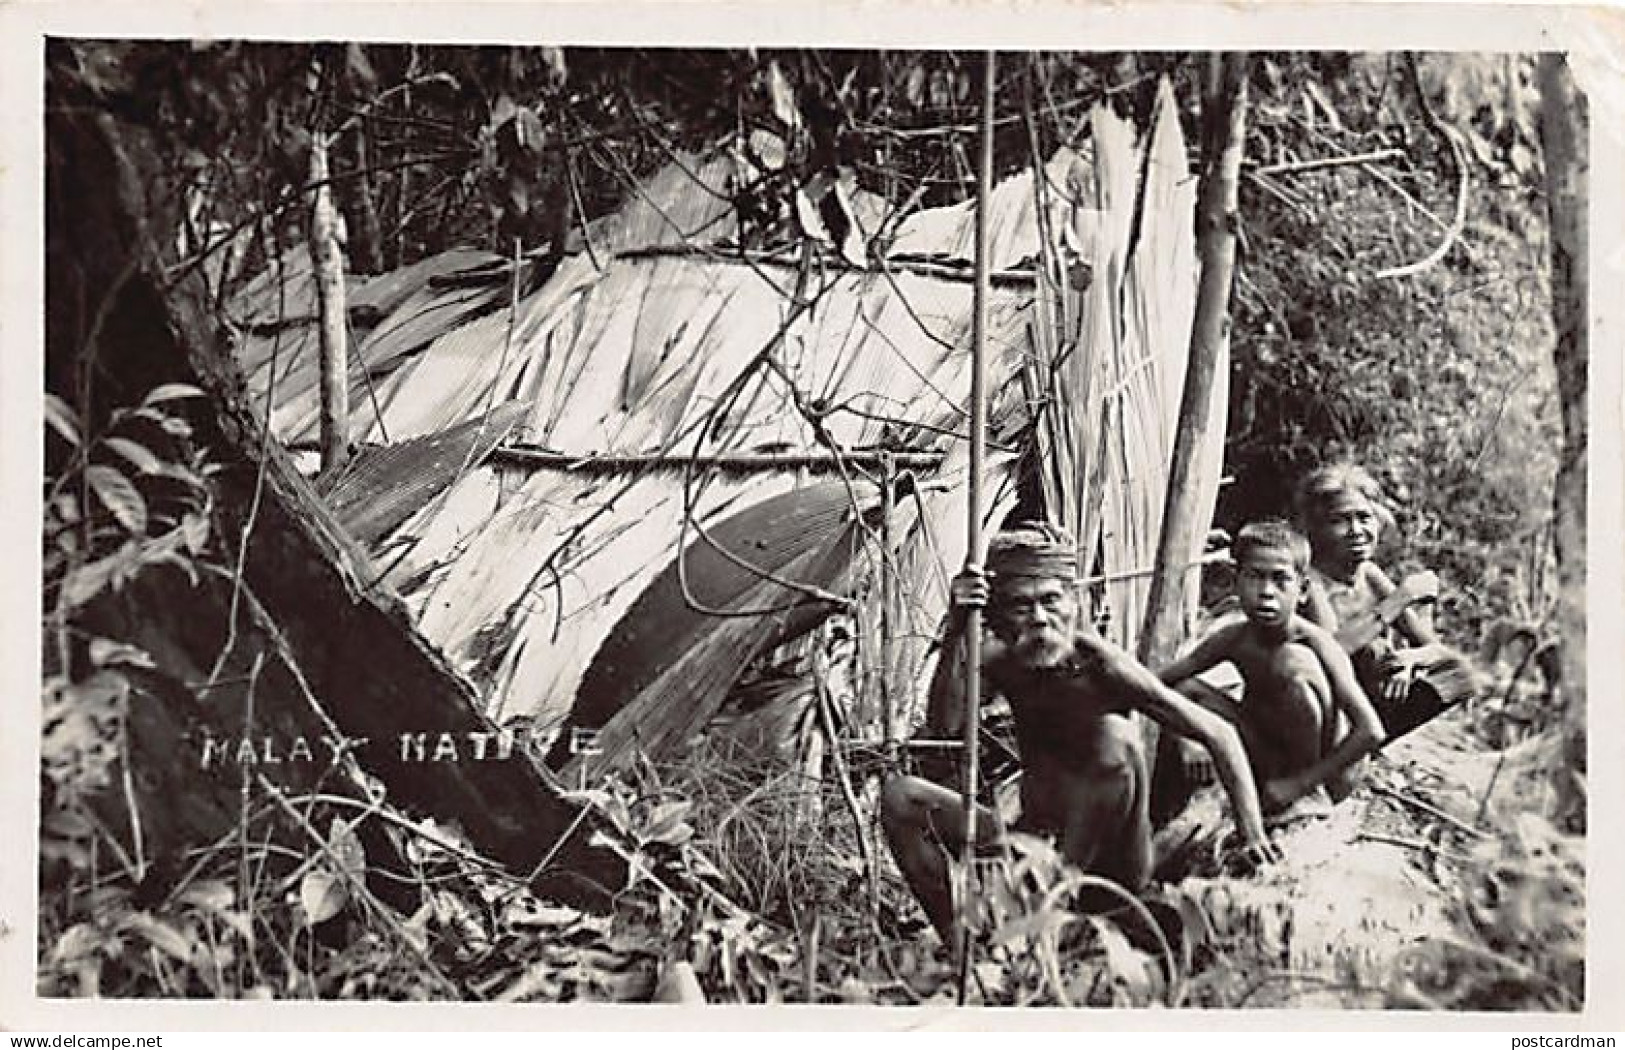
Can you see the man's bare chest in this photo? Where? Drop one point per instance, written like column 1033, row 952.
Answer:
column 1062, row 711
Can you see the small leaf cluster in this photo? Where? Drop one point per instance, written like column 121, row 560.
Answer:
column 133, row 496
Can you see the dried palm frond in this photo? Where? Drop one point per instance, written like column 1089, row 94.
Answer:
column 1107, row 360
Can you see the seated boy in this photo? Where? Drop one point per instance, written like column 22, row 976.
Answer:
column 1303, row 718
column 1412, row 681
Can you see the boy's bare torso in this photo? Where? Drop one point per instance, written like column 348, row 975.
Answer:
column 1255, row 653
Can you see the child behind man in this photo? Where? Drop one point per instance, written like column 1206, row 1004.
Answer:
column 1411, row 682
column 1303, row 717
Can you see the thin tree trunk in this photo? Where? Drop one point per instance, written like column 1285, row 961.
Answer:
column 328, row 258
column 366, row 234
column 1563, row 128
column 1224, row 121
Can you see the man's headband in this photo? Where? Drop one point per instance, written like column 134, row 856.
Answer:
column 1032, row 552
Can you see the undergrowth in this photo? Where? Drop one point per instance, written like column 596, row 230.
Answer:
column 756, row 871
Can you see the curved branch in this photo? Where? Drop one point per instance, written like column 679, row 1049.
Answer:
column 1459, row 153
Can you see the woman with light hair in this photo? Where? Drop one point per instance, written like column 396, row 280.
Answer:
column 1407, row 671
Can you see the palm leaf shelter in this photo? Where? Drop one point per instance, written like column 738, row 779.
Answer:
column 608, row 493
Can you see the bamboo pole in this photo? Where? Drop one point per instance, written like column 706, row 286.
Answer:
column 329, row 263
column 522, row 454
column 973, row 527
column 1019, row 278
column 1224, row 119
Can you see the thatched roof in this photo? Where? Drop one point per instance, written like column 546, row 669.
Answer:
column 663, row 340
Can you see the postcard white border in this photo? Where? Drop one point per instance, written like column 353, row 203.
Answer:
column 1595, row 37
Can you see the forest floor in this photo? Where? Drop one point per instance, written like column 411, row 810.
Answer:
column 1448, row 880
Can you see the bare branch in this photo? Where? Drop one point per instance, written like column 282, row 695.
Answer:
column 1322, row 163
column 1459, row 153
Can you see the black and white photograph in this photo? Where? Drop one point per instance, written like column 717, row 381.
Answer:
column 560, row 521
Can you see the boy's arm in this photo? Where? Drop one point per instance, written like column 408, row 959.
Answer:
column 1146, row 692
column 1365, row 728
column 1214, row 649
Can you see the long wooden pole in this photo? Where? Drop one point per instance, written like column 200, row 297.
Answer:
column 973, row 525
column 1224, row 117
column 888, row 593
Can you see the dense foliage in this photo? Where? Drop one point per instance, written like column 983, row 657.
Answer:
column 1439, row 379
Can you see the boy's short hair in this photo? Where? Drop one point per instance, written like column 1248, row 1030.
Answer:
column 1272, row 534
column 1327, row 482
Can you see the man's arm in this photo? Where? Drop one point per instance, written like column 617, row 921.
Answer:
column 1365, row 728
column 1145, row 692
column 945, row 701
column 946, row 697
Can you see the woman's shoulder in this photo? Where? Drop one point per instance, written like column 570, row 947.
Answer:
column 1372, row 579
column 1305, row 631
column 1367, row 577
column 1321, row 579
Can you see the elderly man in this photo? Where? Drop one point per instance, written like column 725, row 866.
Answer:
column 1084, row 776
